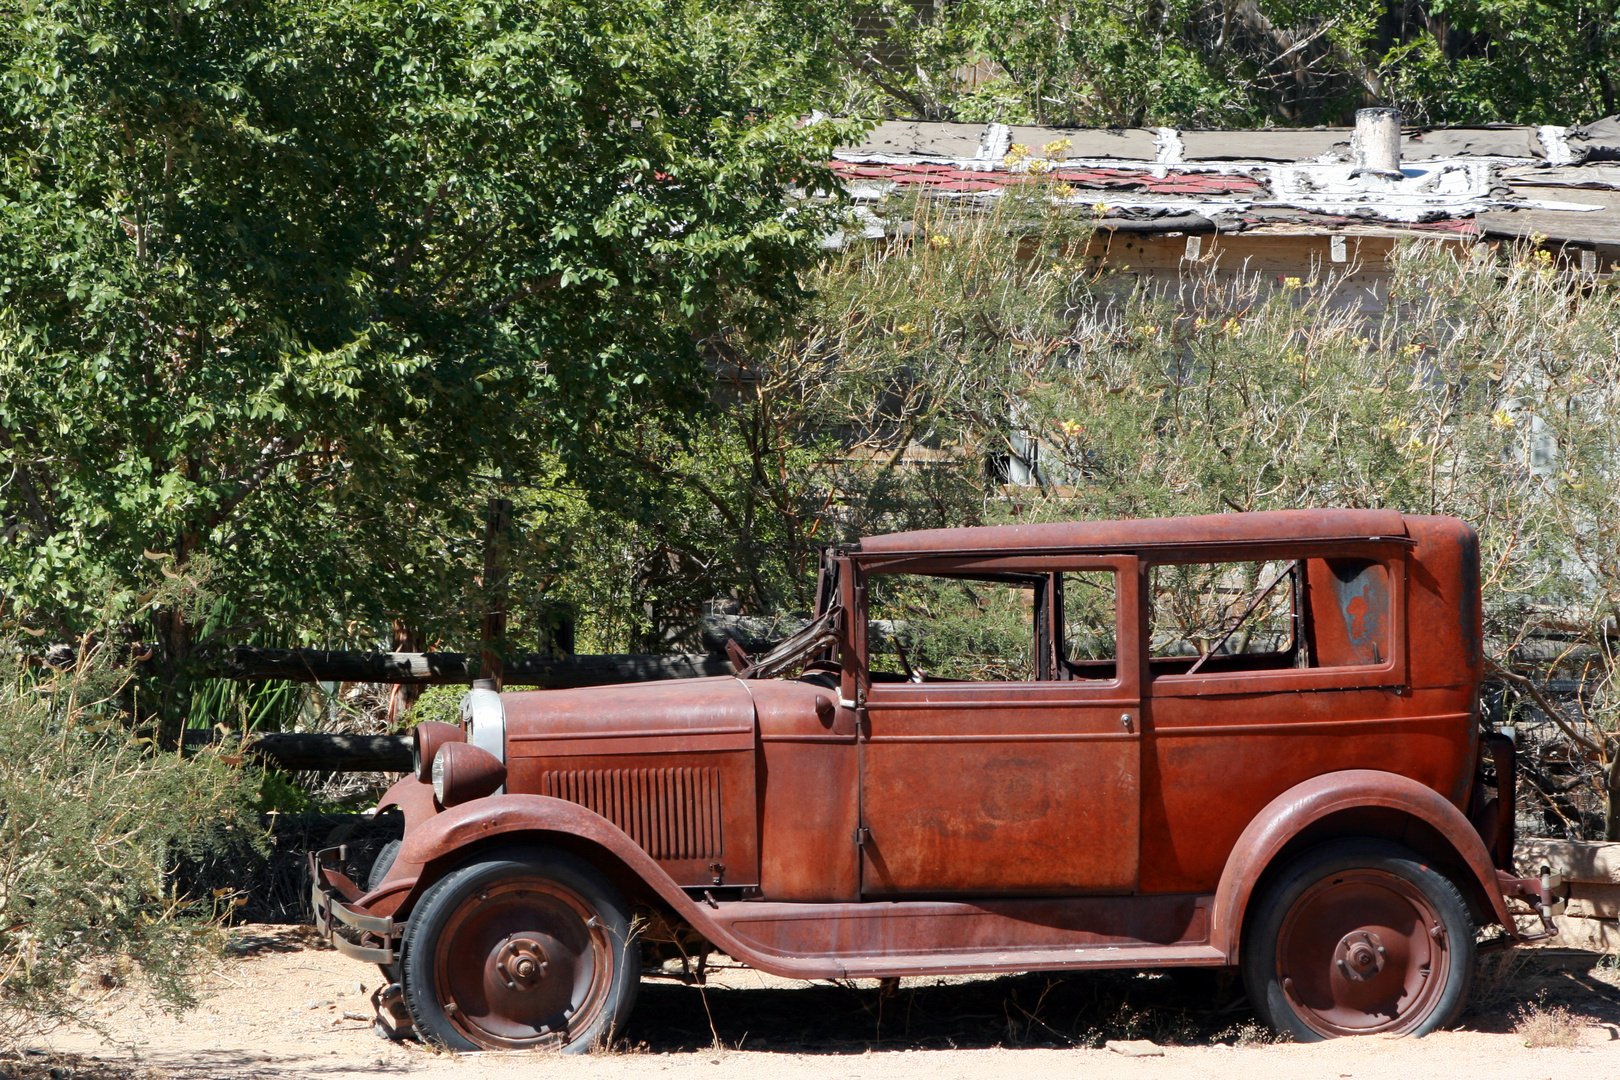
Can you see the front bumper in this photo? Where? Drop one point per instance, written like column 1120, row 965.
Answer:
column 378, row 934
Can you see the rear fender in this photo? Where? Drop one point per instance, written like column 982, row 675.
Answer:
column 1353, row 802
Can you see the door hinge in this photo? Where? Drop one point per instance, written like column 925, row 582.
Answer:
column 863, row 836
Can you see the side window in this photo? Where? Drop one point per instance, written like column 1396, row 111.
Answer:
column 1244, row 616
column 1090, row 624
column 1224, row 616
column 921, row 626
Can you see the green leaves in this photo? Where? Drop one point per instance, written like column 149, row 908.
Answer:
column 1127, row 63
column 273, row 272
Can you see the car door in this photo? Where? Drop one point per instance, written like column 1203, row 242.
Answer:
column 1005, row 787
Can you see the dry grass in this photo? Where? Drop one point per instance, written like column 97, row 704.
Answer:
column 1541, row 1025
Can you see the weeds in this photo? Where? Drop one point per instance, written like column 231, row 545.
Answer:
column 1542, row 1025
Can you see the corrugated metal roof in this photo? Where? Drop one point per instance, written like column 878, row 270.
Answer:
column 1496, row 179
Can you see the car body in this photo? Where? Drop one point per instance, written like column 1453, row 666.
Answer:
column 1242, row 740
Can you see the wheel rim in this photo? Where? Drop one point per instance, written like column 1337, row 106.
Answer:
column 1363, row 951
column 522, row 963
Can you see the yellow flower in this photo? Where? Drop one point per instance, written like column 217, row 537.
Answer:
column 1064, row 191
column 1230, row 326
column 1057, row 149
column 939, row 240
column 1293, row 283
column 1100, row 209
column 1070, row 428
column 1017, row 152
column 1200, row 322
column 1503, row 419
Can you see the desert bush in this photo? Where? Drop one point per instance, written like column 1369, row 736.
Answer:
column 92, row 822
column 1540, row 1024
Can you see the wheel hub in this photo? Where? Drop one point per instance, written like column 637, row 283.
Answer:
column 522, row 963
column 1360, row 955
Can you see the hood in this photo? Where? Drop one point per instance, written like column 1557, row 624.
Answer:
column 680, row 714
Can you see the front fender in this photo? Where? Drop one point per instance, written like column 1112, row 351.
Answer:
column 462, row 827
column 1296, row 809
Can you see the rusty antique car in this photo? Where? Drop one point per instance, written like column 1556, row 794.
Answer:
column 1249, row 741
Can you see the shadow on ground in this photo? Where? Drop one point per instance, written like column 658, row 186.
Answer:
column 1184, row 1008
column 1052, row 1010
column 292, row 939
column 1581, row 981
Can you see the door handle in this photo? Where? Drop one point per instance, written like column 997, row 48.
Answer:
column 1125, row 721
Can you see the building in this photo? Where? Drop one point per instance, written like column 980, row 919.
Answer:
column 1277, row 203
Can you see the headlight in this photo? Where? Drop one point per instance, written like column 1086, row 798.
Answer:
column 463, row 772
column 426, row 738
column 437, row 773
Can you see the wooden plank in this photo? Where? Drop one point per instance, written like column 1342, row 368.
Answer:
column 534, row 669
column 1577, row 860
column 1291, row 253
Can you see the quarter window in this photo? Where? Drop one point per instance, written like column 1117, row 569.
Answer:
column 1247, row 616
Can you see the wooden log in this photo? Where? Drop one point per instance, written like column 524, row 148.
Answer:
column 299, row 751
column 310, row 751
column 538, row 670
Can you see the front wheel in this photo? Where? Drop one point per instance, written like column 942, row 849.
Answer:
column 523, row 949
column 1358, row 937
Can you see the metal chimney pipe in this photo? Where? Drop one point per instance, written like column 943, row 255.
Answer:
column 1376, row 145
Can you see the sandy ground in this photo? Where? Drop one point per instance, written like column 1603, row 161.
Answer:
column 284, row 1006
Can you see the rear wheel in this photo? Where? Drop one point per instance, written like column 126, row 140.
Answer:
column 1359, row 937
column 519, row 950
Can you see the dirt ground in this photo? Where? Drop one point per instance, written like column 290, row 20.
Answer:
column 282, row 1005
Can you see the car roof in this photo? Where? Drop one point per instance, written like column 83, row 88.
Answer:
column 1262, row 526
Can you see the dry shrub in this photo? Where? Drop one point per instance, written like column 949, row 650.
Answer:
column 93, row 821
column 1542, row 1025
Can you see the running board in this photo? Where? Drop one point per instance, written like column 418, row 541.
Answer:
column 888, row 939
column 1096, row 958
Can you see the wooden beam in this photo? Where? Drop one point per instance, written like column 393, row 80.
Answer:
column 312, row 751
column 533, row 669
column 299, row 751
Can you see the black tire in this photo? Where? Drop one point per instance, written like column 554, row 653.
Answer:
column 522, row 949
column 382, row 864
column 1358, row 937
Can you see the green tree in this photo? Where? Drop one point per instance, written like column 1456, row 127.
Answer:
column 1201, row 63
column 282, row 283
